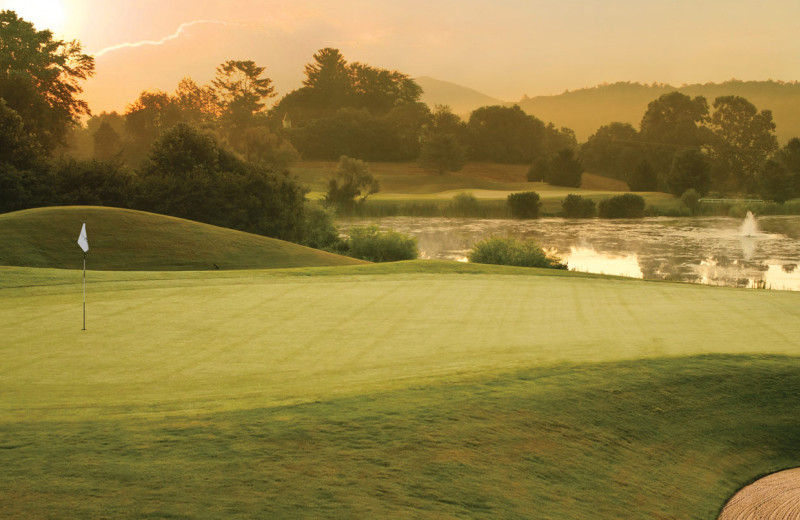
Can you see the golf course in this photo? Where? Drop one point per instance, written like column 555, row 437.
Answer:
column 228, row 375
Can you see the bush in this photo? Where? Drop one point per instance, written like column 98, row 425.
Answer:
column 628, row 205
column 368, row 243
column 319, row 230
column 575, row 206
column 465, row 205
column 524, row 205
column 510, row 251
column 691, row 199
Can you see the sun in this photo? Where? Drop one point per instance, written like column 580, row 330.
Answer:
column 44, row 14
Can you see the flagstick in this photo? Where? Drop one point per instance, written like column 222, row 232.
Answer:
column 84, row 291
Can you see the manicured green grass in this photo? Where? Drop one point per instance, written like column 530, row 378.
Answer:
column 664, row 438
column 130, row 240
column 170, row 344
column 408, row 190
column 418, row 389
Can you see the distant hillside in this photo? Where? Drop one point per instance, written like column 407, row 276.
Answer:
column 127, row 240
column 585, row 110
column 461, row 100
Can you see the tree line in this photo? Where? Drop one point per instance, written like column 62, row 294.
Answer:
column 219, row 154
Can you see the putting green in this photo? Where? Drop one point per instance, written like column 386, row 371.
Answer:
column 199, row 343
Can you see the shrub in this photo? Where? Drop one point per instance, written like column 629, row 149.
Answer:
column 575, row 206
column 465, row 205
column 628, row 205
column 510, row 251
column 319, row 230
column 565, row 169
column 368, row 243
column 691, row 199
column 524, row 205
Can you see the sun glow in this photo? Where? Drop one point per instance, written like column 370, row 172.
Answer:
column 44, row 14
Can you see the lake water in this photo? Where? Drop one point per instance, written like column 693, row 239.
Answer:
column 710, row 250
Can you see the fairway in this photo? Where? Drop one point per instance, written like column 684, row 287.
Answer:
column 211, row 343
column 420, row 389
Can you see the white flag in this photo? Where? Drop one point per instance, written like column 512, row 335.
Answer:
column 82, row 240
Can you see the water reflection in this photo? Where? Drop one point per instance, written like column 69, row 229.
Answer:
column 588, row 260
column 714, row 251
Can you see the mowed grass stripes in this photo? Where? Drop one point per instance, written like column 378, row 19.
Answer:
column 193, row 346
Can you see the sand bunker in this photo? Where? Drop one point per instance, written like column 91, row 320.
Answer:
column 775, row 497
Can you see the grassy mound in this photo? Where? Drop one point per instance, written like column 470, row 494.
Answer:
column 122, row 239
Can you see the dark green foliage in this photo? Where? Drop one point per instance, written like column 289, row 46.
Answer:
column 510, row 251
column 575, row 206
column 18, row 148
column 776, row 182
column 441, row 147
column 524, row 205
column 40, row 79
column 319, row 230
column 348, row 131
column 643, row 177
column 628, row 205
column 565, row 169
column 671, row 123
column 107, row 142
column 369, row 243
column 189, row 176
column 789, row 157
column 613, row 151
column 505, row 135
column 539, row 170
column 691, row 199
column 94, row 183
column 690, row 170
column 465, row 205
column 742, row 140
column 351, row 186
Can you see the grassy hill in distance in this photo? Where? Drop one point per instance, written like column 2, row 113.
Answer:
column 128, row 240
column 461, row 100
column 586, row 110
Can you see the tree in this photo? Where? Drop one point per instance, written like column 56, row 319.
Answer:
column 328, row 79
column 575, row 206
column 18, row 147
column 352, row 184
column 198, row 105
column 441, row 150
column 242, row 90
column 524, row 205
column 40, row 79
column 146, row 118
column 627, row 205
column 776, row 182
column 613, row 151
column 789, row 156
column 565, row 169
column 690, row 170
column 378, row 89
column 643, row 177
column 672, row 123
column 743, row 139
column 107, row 142
column 505, row 135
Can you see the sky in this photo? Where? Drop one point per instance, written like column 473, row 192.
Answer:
column 503, row 48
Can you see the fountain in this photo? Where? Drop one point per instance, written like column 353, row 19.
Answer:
column 749, row 226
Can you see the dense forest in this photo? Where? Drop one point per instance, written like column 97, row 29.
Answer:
column 221, row 153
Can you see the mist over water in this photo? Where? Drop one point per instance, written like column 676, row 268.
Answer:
column 760, row 253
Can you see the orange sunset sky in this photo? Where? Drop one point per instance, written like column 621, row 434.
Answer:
column 503, row 48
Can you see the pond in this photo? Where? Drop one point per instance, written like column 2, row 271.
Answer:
column 760, row 253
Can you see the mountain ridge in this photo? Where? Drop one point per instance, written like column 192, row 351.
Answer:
column 586, row 109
